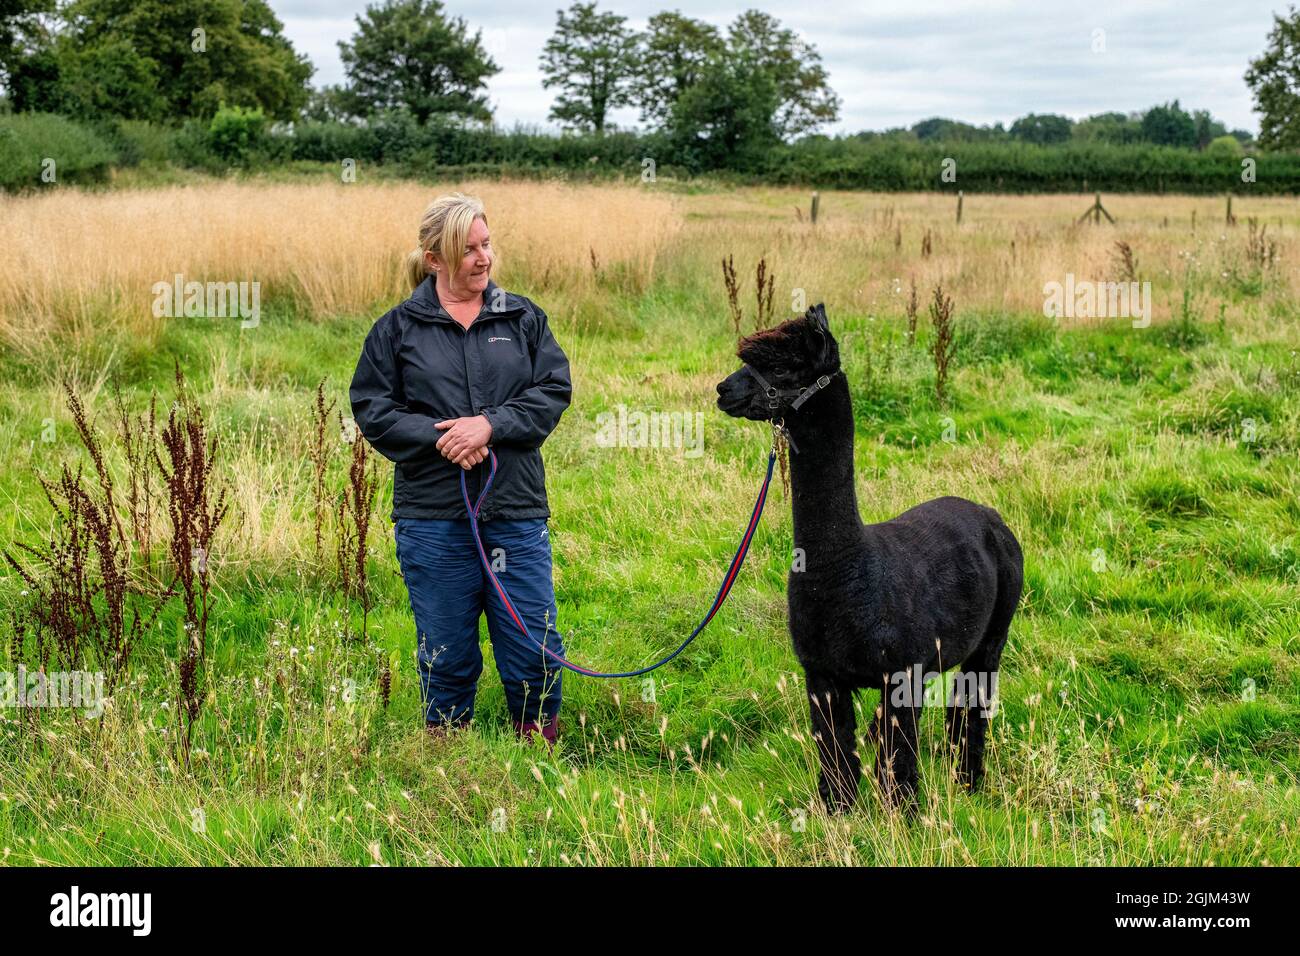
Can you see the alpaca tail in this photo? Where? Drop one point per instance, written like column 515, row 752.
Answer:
column 1011, row 581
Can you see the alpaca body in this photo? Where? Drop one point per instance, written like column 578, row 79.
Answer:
column 870, row 605
column 920, row 590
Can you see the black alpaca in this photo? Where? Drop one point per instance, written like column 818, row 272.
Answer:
column 931, row 589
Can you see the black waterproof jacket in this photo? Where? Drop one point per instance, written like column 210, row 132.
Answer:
column 419, row 366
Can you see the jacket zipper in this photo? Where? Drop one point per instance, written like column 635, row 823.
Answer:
column 478, row 490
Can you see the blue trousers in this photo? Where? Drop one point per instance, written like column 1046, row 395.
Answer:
column 449, row 591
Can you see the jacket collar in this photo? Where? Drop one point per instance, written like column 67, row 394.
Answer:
column 424, row 302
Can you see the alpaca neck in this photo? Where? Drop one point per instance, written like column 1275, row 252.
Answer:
column 826, row 518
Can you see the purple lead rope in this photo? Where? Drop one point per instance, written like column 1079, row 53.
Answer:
column 723, row 591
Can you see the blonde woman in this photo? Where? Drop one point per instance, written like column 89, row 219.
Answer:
column 461, row 366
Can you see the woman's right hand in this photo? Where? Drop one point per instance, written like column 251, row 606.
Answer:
column 471, row 457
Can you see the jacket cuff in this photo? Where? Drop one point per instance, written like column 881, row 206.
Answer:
column 490, row 414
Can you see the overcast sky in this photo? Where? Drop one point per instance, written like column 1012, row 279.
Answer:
column 895, row 63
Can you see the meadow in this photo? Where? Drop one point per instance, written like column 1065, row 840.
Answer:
column 1149, row 698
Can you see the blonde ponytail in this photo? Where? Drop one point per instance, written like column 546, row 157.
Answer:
column 444, row 231
column 414, row 267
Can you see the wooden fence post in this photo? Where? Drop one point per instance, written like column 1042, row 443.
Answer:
column 1096, row 211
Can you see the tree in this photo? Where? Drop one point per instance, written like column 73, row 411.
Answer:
column 164, row 60
column 804, row 100
column 591, row 57
column 726, row 119
column 329, row 104
column 673, row 55
column 726, row 102
column 407, row 54
column 1115, row 128
column 1208, row 128
column 1169, row 125
column 1045, row 129
column 1274, row 79
column 25, row 39
column 940, row 130
column 111, row 77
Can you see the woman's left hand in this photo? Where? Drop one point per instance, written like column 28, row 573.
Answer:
column 463, row 438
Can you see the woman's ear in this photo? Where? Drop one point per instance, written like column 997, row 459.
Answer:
column 431, row 263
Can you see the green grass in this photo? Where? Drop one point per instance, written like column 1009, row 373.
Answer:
column 1150, row 693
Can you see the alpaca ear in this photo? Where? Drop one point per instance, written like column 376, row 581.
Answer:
column 818, row 332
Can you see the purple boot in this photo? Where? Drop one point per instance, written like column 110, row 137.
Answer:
column 550, row 730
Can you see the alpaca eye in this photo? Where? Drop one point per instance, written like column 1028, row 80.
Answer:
column 779, row 370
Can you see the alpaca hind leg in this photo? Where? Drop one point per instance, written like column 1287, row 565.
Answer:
column 969, row 719
column 970, row 708
column 957, row 717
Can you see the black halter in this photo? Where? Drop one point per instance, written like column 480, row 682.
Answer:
column 775, row 396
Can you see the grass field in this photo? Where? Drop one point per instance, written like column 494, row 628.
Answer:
column 1150, row 693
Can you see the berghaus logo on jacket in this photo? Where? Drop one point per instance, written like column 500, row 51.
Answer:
column 499, row 338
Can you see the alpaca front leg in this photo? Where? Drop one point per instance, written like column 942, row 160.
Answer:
column 834, row 725
column 895, row 732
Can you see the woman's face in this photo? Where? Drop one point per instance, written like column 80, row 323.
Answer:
column 470, row 277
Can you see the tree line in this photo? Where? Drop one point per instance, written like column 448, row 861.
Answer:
column 1166, row 124
column 714, row 98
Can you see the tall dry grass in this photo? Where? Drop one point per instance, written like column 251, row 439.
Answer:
column 77, row 263
column 997, row 259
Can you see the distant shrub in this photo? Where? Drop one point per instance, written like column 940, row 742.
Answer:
column 1228, row 146
column 32, row 144
column 237, row 134
column 395, row 138
column 192, row 148
column 331, row 142
column 139, row 141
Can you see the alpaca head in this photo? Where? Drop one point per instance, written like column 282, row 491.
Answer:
column 791, row 356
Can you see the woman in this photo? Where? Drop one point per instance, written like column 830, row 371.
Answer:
column 460, row 367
